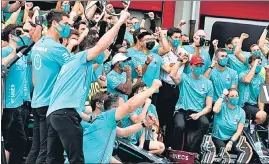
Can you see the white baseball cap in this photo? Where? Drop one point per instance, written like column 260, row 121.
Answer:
column 119, row 57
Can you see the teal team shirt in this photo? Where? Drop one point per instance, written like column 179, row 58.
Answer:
column 249, row 93
column 48, row 56
column 73, row 84
column 13, row 82
column 221, row 80
column 28, row 84
column 155, row 49
column 226, row 122
column 153, row 69
column 235, row 64
column 107, row 67
column 134, row 62
column 99, row 138
column 204, row 55
column 193, row 93
column 151, row 110
column 114, row 79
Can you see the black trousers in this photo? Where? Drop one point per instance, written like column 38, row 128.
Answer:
column 183, row 124
column 38, row 150
column 64, row 134
column 25, row 117
column 220, row 143
column 13, row 133
column 167, row 99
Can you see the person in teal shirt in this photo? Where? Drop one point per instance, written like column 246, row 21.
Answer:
column 249, row 90
column 48, row 56
column 119, row 79
column 143, row 137
column 221, row 76
column 155, row 64
column 69, row 95
column 13, row 95
column 195, row 101
column 229, row 120
column 233, row 61
column 99, row 139
column 196, row 48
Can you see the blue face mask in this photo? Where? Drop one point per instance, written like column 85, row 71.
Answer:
column 197, row 71
column 258, row 69
column 229, row 51
column 175, row 43
column 233, row 101
column 66, row 8
column 223, row 61
column 65, row 32
column 21, row 41
column 122, row 65
column 136, row 26
column 257, row 53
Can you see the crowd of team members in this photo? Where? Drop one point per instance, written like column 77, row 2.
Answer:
column 149, row 79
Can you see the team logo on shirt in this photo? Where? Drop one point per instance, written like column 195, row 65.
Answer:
column 236, row 118
column 37, row 62
column 228, row 79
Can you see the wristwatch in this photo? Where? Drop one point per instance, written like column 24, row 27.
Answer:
column 180, row 60
column 140, row 77
column 211, row 67
column 147, row 63
column 231, row 142
column 143, row 124
column 222, row 96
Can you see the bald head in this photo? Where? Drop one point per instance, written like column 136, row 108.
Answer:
column 200, row 33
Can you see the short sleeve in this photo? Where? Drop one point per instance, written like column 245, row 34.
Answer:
column 113, row 81
column 153, row 110
column 7, row 8
column 110, row 118
column 234, row 78
column 155, row 49
column 61, row 55
column 241, row 76
column 210, row 89
column 6, row 51
column 100, row 58
column 243, row 116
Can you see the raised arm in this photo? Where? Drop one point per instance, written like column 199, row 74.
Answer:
column 126, row 88
column 125, row 132
column 136, row 101
column 183, row 58
column 251, row 73
column 15, row 6
column 165, row 45
column 208, row 71
column 238, row 49
column 262, row 41
column 108, row 37
column 138, row 118
column 217, row 106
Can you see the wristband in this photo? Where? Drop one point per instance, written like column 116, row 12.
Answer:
column 147, row 63
column 180, row 60
column 222, row 96
column 103, row 87
column 211, row 67
column 140, row 77
column 143, row 124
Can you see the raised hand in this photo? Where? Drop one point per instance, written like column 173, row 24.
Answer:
column 124, row 16
column 244, row 36
column 156, row 84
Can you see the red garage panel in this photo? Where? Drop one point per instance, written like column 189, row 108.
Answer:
column 137, row 5
column 167, row 8
column 239, row 10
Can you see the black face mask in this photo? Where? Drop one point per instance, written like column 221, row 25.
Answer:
column 202, row 42
column 74, row 48
column 150, row 45
column 185, row 43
